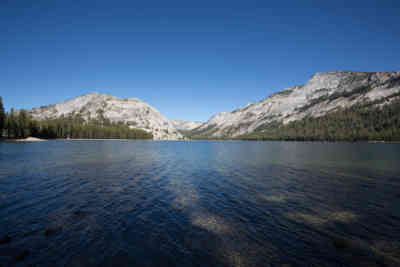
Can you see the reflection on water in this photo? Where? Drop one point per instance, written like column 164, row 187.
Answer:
column 144, row 203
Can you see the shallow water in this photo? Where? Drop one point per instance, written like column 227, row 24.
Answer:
column 200, row 203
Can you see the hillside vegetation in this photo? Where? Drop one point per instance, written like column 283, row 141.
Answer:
column 98, row 106
column 324, row 93
column 359, row 122
column 21, row 125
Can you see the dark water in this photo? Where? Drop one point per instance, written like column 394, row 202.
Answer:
column 145, row 203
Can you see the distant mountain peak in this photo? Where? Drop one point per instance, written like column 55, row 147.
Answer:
column 132, row 111
column 324, row 92
column 185, row 126
column 93, row 93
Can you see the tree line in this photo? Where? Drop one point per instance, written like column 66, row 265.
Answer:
column 370, row 121
column 20, row 124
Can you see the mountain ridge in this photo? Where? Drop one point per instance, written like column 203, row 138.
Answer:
column 184, row 126
column 323, row 93
column 132, row 111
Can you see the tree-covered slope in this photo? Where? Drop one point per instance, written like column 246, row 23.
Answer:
column 323, row 94
column 21, row 125
column 131, row 111
column 373, row 121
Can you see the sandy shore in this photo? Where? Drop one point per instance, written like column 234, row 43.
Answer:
column 28, row 139
column 94, row 139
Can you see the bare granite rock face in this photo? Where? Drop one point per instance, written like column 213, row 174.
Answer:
column 133, row 111
column 185, row 126
column 323, row 93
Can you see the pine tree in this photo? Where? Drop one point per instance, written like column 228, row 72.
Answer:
column 23, row 124
column 2, row 117
column 12, row 125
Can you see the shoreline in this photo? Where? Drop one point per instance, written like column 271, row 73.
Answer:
column 28, row 139
column 95, row 139
column 35, row 139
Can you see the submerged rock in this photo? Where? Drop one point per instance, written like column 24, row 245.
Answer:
column 52, row 230
column 341, row 243
column 5, row 239
column 80, row 213
column 22, row 255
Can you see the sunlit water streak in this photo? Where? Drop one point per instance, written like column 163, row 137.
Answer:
column 144, row 203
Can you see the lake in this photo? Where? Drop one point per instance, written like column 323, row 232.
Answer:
column 199, row 203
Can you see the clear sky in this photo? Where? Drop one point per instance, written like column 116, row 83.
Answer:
column 188, row 61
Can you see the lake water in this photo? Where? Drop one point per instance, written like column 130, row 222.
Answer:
column 200, row 203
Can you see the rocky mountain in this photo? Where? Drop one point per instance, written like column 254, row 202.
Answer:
column 322, row 94
column 185, row 126
column 132, row 111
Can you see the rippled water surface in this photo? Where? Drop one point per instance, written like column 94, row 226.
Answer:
column 148, row 203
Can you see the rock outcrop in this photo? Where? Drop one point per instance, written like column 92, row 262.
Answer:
column 323, row 93
column 185, row 126
column 132, row 111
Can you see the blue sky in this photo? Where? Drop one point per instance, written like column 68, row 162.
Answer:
column 189, row 62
